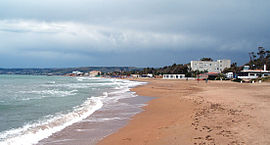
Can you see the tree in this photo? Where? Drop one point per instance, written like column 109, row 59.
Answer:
column 206, row 59
column 259, row 59
column 261, row 52
column 234, row 68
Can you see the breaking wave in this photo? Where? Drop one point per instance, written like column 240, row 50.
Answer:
column 32, row 133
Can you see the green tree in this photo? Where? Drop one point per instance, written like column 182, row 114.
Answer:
column 257, row 60
column 206, row 59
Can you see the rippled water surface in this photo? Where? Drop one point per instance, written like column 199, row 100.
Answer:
column 37, row 106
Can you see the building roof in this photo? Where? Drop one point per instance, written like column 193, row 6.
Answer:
column 256, row 71
column 212, row 73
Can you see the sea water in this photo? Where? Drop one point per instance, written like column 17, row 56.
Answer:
column 34, row 107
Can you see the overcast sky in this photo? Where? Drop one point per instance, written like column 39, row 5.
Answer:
column 68, row 33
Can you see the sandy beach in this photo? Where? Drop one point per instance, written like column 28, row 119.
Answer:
column 191, row 112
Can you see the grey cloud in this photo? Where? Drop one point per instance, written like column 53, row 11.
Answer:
column 96, row 28
column 71, row 35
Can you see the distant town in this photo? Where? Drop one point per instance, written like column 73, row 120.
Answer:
column 256, row 70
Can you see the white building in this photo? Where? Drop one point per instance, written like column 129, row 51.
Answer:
column 210, row 66
column 135, row 75
column 174, row 76
column 248, row 74
column 147, row 75
column 229, row 75
column 94, row 73
column 150, row 75
column 77, row 72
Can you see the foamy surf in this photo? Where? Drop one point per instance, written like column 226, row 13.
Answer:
column 63, row 89
column 32, row 133
column 52, row 92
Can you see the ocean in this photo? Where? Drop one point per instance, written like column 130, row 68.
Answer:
column 32, row 108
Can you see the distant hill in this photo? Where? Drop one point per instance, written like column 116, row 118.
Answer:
column 62, row 71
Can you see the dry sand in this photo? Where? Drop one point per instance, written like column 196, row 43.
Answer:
column 188, row 112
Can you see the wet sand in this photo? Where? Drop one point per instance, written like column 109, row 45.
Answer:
column 103, row 122
column 191, row 112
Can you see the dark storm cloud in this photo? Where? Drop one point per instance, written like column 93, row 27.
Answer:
column 89, row 31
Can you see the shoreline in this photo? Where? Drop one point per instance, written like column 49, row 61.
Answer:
column 188, row 112
column 118, row 107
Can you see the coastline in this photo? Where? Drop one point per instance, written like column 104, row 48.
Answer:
column 119, row 105
column 190, row 112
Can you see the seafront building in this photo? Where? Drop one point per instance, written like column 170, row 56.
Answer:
column 147, row 75
column 229, row 75
column 135, row 75
column 174, row 76
column 247, row 74
column 77, row 73
column 94, row 73
column 210, row 66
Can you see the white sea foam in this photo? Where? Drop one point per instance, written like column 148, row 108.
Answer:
column 82, row 130
column 87, row 78
column 121, row 90
column 51, row 92
column 103, row 119
column 32, row 133
column 82, row 85
column 51, row 82
column 80, row 79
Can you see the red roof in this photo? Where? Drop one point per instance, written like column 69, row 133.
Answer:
column 212, row 73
